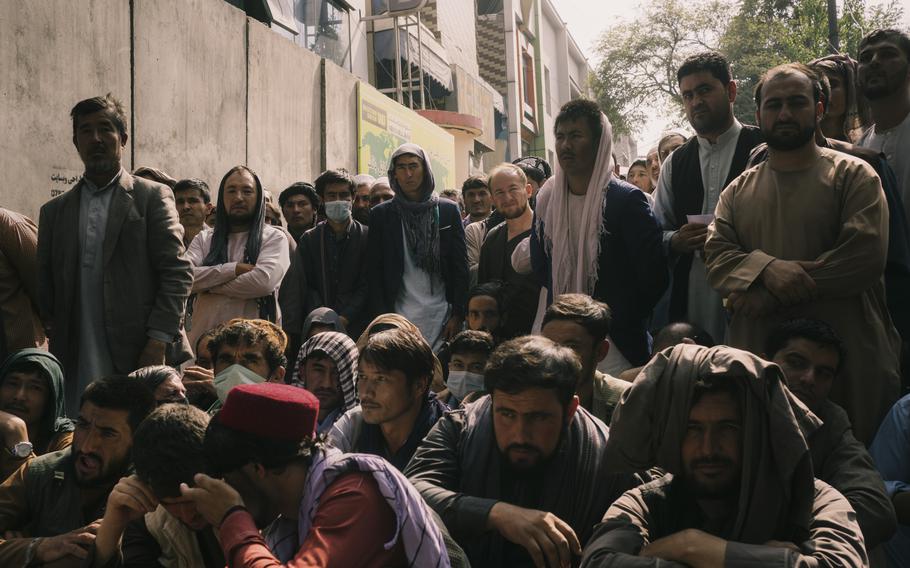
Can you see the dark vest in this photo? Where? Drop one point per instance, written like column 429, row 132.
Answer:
column 54, row 499
column 688, row 197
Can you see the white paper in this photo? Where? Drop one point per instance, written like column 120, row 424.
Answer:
column 703, row 219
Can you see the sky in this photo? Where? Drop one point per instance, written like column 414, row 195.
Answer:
column 586, row 29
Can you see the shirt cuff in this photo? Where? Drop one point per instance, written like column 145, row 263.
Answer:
column 238, row 529
column 668, row 250
column 744, row 555
column 473, row 513
column 160, row 335
column 895, row 487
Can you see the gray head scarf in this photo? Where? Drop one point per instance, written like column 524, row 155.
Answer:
column 420, row 219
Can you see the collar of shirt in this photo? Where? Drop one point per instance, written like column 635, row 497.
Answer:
column 731, row 135
column 343, row 236
column 90, row 185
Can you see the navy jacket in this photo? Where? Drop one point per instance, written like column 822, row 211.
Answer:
column 633, row 268
column 385, row 257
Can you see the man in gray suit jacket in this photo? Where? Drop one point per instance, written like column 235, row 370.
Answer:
column 113, row 277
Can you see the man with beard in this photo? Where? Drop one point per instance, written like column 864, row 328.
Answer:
column 519, row 476
column 416, row 257
column 32, row 415
column 884, row 77
column 805, row 234
column 238, row 264
column 194, row 205
column 511, row 193
column 653, row 162
column 147, row 521
column 691, row 181
column 113, row 276
column 360, row 209
column 325, row 508
column 739, row 489
column 58, row 499
column 299, row 204
column 327, row 367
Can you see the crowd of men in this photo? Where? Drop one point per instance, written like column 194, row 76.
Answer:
column 550, row 367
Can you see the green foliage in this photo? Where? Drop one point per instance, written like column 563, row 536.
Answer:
column 636, row 75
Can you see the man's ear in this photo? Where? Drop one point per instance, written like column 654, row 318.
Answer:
column 731, row 91
column 601, row 350
column 571, row 408
column 123, row 138
column 277, row 376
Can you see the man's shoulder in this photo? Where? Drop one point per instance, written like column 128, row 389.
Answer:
column 50, row 464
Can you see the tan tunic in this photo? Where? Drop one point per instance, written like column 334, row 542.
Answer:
column 833, row 211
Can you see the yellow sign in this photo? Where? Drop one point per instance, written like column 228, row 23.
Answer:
column 383, row 125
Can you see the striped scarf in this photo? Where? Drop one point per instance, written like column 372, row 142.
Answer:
column 343, row 351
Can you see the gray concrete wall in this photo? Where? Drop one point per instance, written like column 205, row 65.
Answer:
column 340, row 133
column 52, row 57
column 284, row 110
column 190, row 87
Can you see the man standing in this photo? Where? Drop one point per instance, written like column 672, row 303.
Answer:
column 32, row 415
column 58, row 499
column 239, row 263
column 691, row 181
column 518, row 476
column 818, row 252
column 360, row 210
column 416, row 258
column 739, row 489
column 327, row 367
column 380, row 192
column 397, row 408
column 335, row 509
column 511, row 195
column 113, row 277
column 299, row 204
column 810, row 354
column 20, row 326
column 194, row 205
column 582, row 324
column 883, row 74
column 332, row 257
column 477, row 202
column 595, row 234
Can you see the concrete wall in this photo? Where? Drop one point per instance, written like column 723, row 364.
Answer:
column 190, row 85
column 284, row 110
column 50, row 60
column 341, row 118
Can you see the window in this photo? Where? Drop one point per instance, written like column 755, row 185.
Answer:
column 546, row 89
column 527, row 73
column 324, row 29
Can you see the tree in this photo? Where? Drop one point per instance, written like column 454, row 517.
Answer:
column 639, row 59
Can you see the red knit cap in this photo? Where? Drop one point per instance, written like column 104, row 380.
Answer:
column 271, row 410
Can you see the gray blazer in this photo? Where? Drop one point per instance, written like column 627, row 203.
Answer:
column 147, row 276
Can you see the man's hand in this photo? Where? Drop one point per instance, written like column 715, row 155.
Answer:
column 13, row 429
column 243, row 268
column 453, row 326
column 755, row 302
column 692, row 547
column 213, row 497
column 197, row 373
column 546, row 537
column 74, row 543
column 129, row 500
column 689, row 238
column 789, row 280
column 152, row 354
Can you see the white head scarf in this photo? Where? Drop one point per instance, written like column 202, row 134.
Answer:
column 576, row 274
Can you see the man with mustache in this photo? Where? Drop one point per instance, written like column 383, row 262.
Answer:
column 691, row 181
column 519, row 476
column 55, row 500
column 194, row 205
column 113, row 277
column 805, row 234
column 397, row 407
column 327, row 367
column 238, row 264
column 739, row 489
column 811, row 355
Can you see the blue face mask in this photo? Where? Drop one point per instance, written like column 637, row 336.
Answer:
column 338, row 211
column 233, row 376
column 462, row 383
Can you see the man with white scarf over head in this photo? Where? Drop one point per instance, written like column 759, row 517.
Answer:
column 595, row 234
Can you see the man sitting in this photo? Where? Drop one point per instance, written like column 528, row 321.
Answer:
column 397, row 408
column 739, row 491
column 247, row 351
column 327, row 367
column 335, row 509
column 467, row 354
column 147, row 521
column 57, row 499
column 519, row 476
column 32, row 415
column 810, row 354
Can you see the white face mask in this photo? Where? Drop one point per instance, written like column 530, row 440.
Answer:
column 338, row 211
column 233, row 376
column 462, row 383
